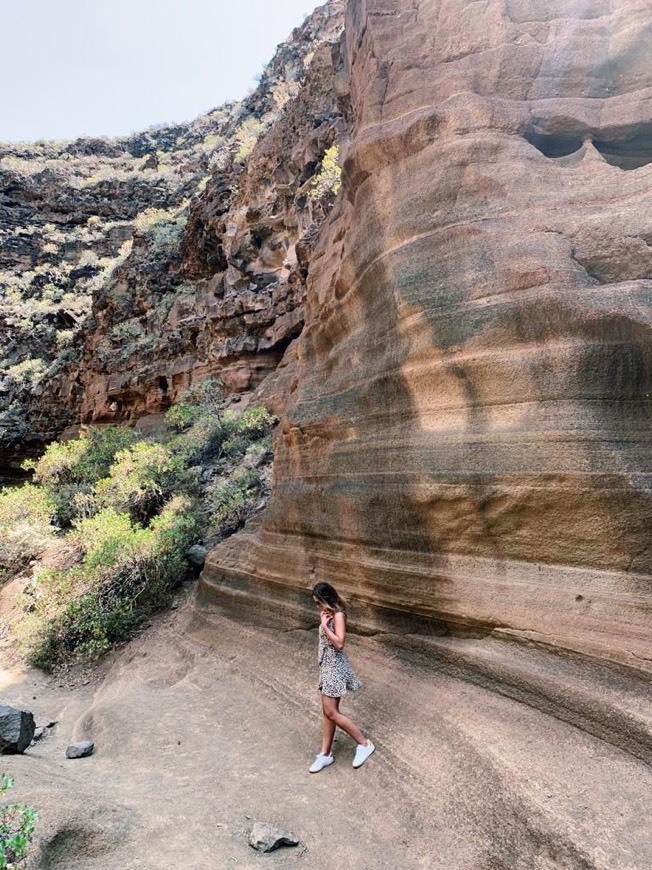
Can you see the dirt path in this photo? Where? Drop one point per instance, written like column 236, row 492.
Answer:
column 203, row 725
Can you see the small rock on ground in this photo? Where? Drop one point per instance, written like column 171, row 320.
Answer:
column 81, row 749
column 266, row 838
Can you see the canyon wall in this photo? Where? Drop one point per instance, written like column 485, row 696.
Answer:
column 133, row 267
column 68, row 214
column 466, row 444
column 229, row 299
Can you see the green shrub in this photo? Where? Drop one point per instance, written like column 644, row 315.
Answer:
column 201, row 443
column 68, row 471
column 139, row 481
column 181, row 417
column 212, row 142
column 329, row 177
column 232, row 500
column 258, row 453
column 131, row 508
column 248, row 134
column 162, row 226
column 27, row 372
column 126, row 331
column 127, row 573
column 87, row 458
column 26, row 529
column 203, row 399
column 244, row 429
column 17, row 823
column 64, row 338
column 225, row 434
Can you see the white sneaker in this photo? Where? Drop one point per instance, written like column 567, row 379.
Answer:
column 362, row 753
column 321, row 762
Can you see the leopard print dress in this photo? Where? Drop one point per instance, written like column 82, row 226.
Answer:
column 336, row 676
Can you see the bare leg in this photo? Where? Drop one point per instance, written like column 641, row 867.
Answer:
column 331, row 710
column 328, row 732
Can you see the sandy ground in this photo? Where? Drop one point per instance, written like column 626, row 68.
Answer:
column 203, row 725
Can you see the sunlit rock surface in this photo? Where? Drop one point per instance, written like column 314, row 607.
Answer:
column 468, row 434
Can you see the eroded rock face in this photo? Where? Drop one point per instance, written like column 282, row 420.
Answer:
column 132, row 268
column 468, row 438
column 68, row 212
column 229, row 298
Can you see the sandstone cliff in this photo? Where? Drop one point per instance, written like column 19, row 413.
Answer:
column 458, row 346
column 468, row 434
column 461, row 353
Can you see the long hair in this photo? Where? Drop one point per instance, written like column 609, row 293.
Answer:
column 329, row 597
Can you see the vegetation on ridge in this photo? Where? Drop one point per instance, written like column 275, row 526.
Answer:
column 78, row 206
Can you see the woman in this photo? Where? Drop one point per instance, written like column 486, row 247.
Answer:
column 336, row 678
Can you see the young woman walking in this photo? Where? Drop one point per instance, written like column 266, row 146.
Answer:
column 336, row 678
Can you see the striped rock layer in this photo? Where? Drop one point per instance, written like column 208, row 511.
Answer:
column 466, row 443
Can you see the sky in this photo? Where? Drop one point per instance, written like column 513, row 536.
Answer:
column 71, row 68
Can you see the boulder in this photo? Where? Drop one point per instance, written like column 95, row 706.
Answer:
column 16, row 730
column 197, row 555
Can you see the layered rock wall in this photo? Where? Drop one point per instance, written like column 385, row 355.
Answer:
column 468, row 435
column 131, row 268
column 230, row 298
column 68, row 214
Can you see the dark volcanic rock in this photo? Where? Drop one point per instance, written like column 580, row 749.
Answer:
column 197, row 555
column 229, row 299
column 43, row 727
column 16, row 730
column 82, row 749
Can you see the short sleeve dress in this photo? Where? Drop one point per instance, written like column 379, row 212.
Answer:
column 336, row 676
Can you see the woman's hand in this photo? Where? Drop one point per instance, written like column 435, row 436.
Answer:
column 338, row 635
column 325, row 617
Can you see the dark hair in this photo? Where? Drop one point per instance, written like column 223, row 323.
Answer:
column 329, row 597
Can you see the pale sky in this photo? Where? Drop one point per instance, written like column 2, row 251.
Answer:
column 110, row 67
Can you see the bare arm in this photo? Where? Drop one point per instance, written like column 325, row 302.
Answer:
column 338, row 636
